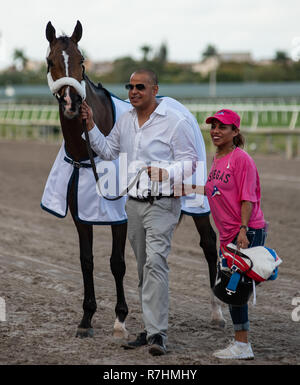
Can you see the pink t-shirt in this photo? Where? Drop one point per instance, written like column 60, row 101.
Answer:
column 233, row 179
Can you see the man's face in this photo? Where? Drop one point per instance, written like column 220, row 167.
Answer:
column 142, row 98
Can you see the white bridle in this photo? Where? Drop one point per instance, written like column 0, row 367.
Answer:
column 56, row 85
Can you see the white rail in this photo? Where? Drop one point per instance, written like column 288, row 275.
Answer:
column 33, row 121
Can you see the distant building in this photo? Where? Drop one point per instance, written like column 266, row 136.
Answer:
column 211, row 63
column 100, row 68
column 237, row 57
column 265, row 62
column 206, row 66
column 34, row 65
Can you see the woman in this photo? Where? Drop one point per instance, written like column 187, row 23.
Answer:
column 233, row 191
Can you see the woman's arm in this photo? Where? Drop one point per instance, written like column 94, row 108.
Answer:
column 186, row 189
column 246, row 210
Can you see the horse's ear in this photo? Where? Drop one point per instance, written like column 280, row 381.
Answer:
column 50, row 33
column 77, row 33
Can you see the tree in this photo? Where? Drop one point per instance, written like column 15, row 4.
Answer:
column 146, row 49
column 281, row 57
column 162, row 54
column 210, row 50
column 20, row 59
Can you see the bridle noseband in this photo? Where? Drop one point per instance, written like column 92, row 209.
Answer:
column 56, row 85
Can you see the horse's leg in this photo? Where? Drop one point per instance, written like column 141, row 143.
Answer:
column 85, row 233
column 118, row 268
column 208, row 244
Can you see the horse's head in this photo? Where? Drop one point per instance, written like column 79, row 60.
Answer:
column 65, row 70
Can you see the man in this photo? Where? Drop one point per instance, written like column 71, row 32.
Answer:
column 151, row 132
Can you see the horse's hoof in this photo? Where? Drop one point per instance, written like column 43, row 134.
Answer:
column 85, row 333
column 120, row 331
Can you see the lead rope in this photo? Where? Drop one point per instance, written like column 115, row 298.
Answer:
column 91, row 157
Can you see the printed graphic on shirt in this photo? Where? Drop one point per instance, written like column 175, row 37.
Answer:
column 217, row 175
column 215, row 192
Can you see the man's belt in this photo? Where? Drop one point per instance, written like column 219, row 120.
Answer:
column 150, row 199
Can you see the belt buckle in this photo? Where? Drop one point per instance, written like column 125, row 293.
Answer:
column 76, row 164
column 234, row 268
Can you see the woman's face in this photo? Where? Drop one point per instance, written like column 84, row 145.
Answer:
column 222, row 134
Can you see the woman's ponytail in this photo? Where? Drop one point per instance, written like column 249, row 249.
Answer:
column 239, row 140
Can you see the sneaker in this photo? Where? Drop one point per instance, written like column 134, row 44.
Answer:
column 236, row 351
column 140, row 340
column 157, row 347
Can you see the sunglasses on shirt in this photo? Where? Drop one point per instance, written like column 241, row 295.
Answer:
column 139, row 86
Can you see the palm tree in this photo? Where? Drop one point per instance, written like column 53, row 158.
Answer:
column 146, row 49
column 20, row 59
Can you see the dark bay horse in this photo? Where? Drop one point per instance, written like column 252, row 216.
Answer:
column 68, row 82
column 70, row 85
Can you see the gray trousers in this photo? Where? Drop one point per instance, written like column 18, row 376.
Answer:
column 150, row 230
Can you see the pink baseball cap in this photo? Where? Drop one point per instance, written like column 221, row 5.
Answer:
column 226, row 117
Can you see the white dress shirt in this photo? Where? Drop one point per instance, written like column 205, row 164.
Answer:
column 165, row 140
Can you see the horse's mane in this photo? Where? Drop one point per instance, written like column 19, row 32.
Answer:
column 98, row 87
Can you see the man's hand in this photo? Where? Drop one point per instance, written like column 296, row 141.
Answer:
column 157, row 174
column 87, row 114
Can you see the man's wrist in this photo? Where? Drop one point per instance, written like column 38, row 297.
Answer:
column 246, row 228
column 91, row 125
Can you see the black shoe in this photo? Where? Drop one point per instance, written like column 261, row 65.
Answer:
column 157, row 347
column 140, row 340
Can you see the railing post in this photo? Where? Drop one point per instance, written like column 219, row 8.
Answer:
column 289, row 137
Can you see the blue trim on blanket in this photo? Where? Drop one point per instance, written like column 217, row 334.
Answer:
column 101, row 223
column 195, row 214
column 113, row 104
column 76, row 175
column 117, row 97
column 67, row 199
column 52, row 212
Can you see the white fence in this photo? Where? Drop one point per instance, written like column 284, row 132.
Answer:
column 262, row 119
column 268, row 120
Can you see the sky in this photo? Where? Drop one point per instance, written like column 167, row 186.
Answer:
column 116, row 28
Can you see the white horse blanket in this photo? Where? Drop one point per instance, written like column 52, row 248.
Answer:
column 91, row 208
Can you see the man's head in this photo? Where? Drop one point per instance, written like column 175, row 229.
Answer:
column 142, row 88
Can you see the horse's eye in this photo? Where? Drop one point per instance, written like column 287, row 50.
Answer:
column 82, row 60
column 50, row 62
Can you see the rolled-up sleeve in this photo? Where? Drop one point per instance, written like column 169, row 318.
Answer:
column 107, row 147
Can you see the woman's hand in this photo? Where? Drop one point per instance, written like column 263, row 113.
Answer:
column 87, row 114
column 242, row 240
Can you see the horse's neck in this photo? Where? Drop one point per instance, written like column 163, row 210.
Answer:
column 72, row 129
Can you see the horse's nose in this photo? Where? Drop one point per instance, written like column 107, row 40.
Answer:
column 67, row 100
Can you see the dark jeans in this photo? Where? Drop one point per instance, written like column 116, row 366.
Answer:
column 239, row 314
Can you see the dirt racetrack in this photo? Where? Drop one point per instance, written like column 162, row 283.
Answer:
column 41, row 280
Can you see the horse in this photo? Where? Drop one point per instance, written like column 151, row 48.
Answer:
column 69, row 83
